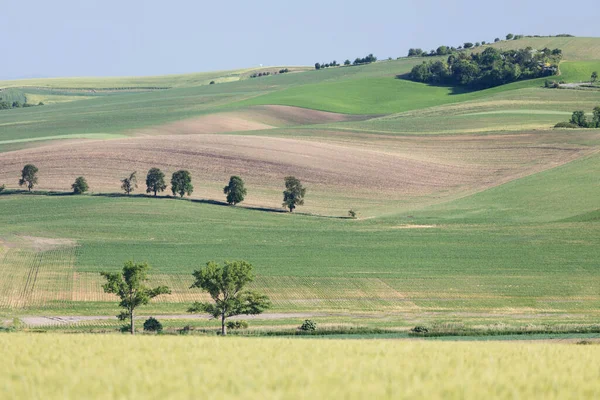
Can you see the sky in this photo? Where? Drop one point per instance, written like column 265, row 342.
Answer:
column 134, row 38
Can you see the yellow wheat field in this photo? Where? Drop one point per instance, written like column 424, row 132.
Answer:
column 186, row 367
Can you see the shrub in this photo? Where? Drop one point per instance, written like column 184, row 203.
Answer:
column 185, row 330
column 551, row 84
column 212, row 83
column 152, row 325
column 2, row 188
column 352, row 213
column 419, row 329
column 239, row 324
column 308, row 326
column 566, row 125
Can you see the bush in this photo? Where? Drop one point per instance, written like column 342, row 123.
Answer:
column 80, row 185
column 551, row 84
column 152, row 325
column 419, row 329
column 239, row 324
column 566, row 125
column 308, row 326
column 2, row 188
column 212, row 83
column 352, row 213
column 185, row 330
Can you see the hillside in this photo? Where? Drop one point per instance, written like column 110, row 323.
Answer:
column 471, row 206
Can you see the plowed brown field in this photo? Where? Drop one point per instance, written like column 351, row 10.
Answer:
column 365, row 170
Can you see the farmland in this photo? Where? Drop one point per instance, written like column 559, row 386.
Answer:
column 194, row 367
column 471, row 207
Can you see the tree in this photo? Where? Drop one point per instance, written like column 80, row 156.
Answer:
column 496, row 40
column 155, row 181
column 235, row 190
column 29, row 176
column 468, row 45
column 317, row 66
column 347, row 62
column 226, row 288
column 578, row 118
column 596, row 118
column 509, row 36
column 129, row 184
column 594, row 76
column 129, row 286
column 80, row 185
column 294, row 192
column 181, row 183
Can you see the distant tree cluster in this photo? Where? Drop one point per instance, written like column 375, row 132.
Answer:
column 5, row 105
column 489, row 68
column 268, row 73
column 326, row 65
column 579, row 120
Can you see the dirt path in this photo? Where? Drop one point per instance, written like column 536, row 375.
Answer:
column 39, row 321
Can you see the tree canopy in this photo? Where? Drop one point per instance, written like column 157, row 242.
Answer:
column 225, row 285
column 80, row 185
column 29, row 176
column 294, row 193
column 489, row 68
column 181, row 183
column 235, row 190
column 155, row 181
column 130, row 286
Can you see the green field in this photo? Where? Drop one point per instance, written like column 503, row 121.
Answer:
column 471, row 207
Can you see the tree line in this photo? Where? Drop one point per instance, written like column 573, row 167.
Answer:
column 5, row 105
column 489, row 68
column 225, row 285
column 579, row 120
column 181, row 184
column 357, row 61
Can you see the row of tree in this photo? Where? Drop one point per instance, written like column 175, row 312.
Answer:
column 225, row 285
column 489, row 68
column 181, row 184
column 358, row 61
column 5, row 105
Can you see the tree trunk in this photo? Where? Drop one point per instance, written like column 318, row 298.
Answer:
column 132, row 324
column 223, row 327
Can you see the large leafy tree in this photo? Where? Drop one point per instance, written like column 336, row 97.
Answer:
column 235, row 190
column 594, row 76
column 155, row 181
column 130, row 286
column 129, row 184
column 29, row 176
column 596, row 118
column 181, row 183
column 225, row 284
column 578, row 118
column 294, row 192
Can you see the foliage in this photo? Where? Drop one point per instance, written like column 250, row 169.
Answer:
column 155, row 181
column 594, row 76
column 152, row 325
column 596, row 118
column 566, row 125
column 29, row 176
column 212, row 83
column 235, row 190
column 80, row 185
column 226, row 288
column 510, row 36
column 2, row 187
column 238, row 324
column 352, row 213
column 130, row 286
column 419, row 329
column 294, row 193
column 129, row 184
column 308, row 326
column 347, row 62
column 579, row 118
column 317, row 66
column 181, row 183
column 489, row 68
column 365, row 60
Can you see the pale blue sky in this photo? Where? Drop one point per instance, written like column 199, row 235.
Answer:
column 132, row 37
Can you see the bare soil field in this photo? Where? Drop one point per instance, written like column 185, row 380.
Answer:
column 395, row 167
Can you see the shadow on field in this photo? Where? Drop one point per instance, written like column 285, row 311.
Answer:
column 166, row 197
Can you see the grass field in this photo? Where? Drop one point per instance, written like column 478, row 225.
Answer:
column 472, row 208
column 60, row 366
